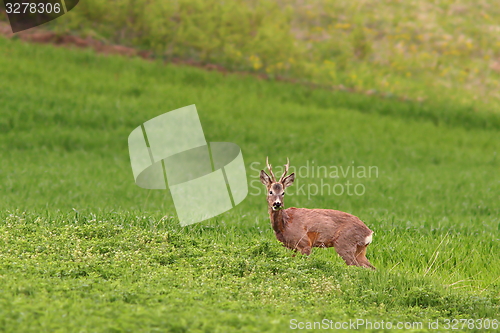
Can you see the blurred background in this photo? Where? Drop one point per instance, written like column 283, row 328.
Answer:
column 412, row 49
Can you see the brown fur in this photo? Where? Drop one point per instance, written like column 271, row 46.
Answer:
column 301, row 229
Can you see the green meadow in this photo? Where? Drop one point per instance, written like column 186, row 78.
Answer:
column 83, row 249
column 415, row 49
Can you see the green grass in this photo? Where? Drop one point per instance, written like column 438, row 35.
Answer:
column 82, row 248
column 420, row 49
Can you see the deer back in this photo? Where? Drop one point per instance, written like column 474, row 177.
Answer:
column 323, row 227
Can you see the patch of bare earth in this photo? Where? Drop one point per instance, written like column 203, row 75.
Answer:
column 41, row 36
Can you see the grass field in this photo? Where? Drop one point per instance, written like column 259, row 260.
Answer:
column 83, row 249
column 418, row 49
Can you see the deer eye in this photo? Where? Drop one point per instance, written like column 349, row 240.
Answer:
column 283, row 193
column 270, row 192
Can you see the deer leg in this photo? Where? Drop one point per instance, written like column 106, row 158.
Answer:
column 304, row 245
column 305, row 250
column 361, row 257
column 348, row 254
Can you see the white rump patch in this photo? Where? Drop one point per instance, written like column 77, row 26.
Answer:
column 368, row 239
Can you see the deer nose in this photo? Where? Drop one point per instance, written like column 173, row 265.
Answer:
column 277, row 204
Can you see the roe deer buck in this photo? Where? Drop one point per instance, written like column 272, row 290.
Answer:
column 302, row 229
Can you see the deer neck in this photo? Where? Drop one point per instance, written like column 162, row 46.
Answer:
column 278, row 219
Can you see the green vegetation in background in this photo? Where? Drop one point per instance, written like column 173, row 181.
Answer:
column 83, row 248
column 423, row 50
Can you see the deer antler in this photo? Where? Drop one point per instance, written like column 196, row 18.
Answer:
column 273, row 178
column 286, row 170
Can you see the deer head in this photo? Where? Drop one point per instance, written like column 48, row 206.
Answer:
column 276, row 189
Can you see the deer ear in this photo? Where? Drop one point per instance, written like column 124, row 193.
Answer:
column 288, row 180
column 264, row 178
